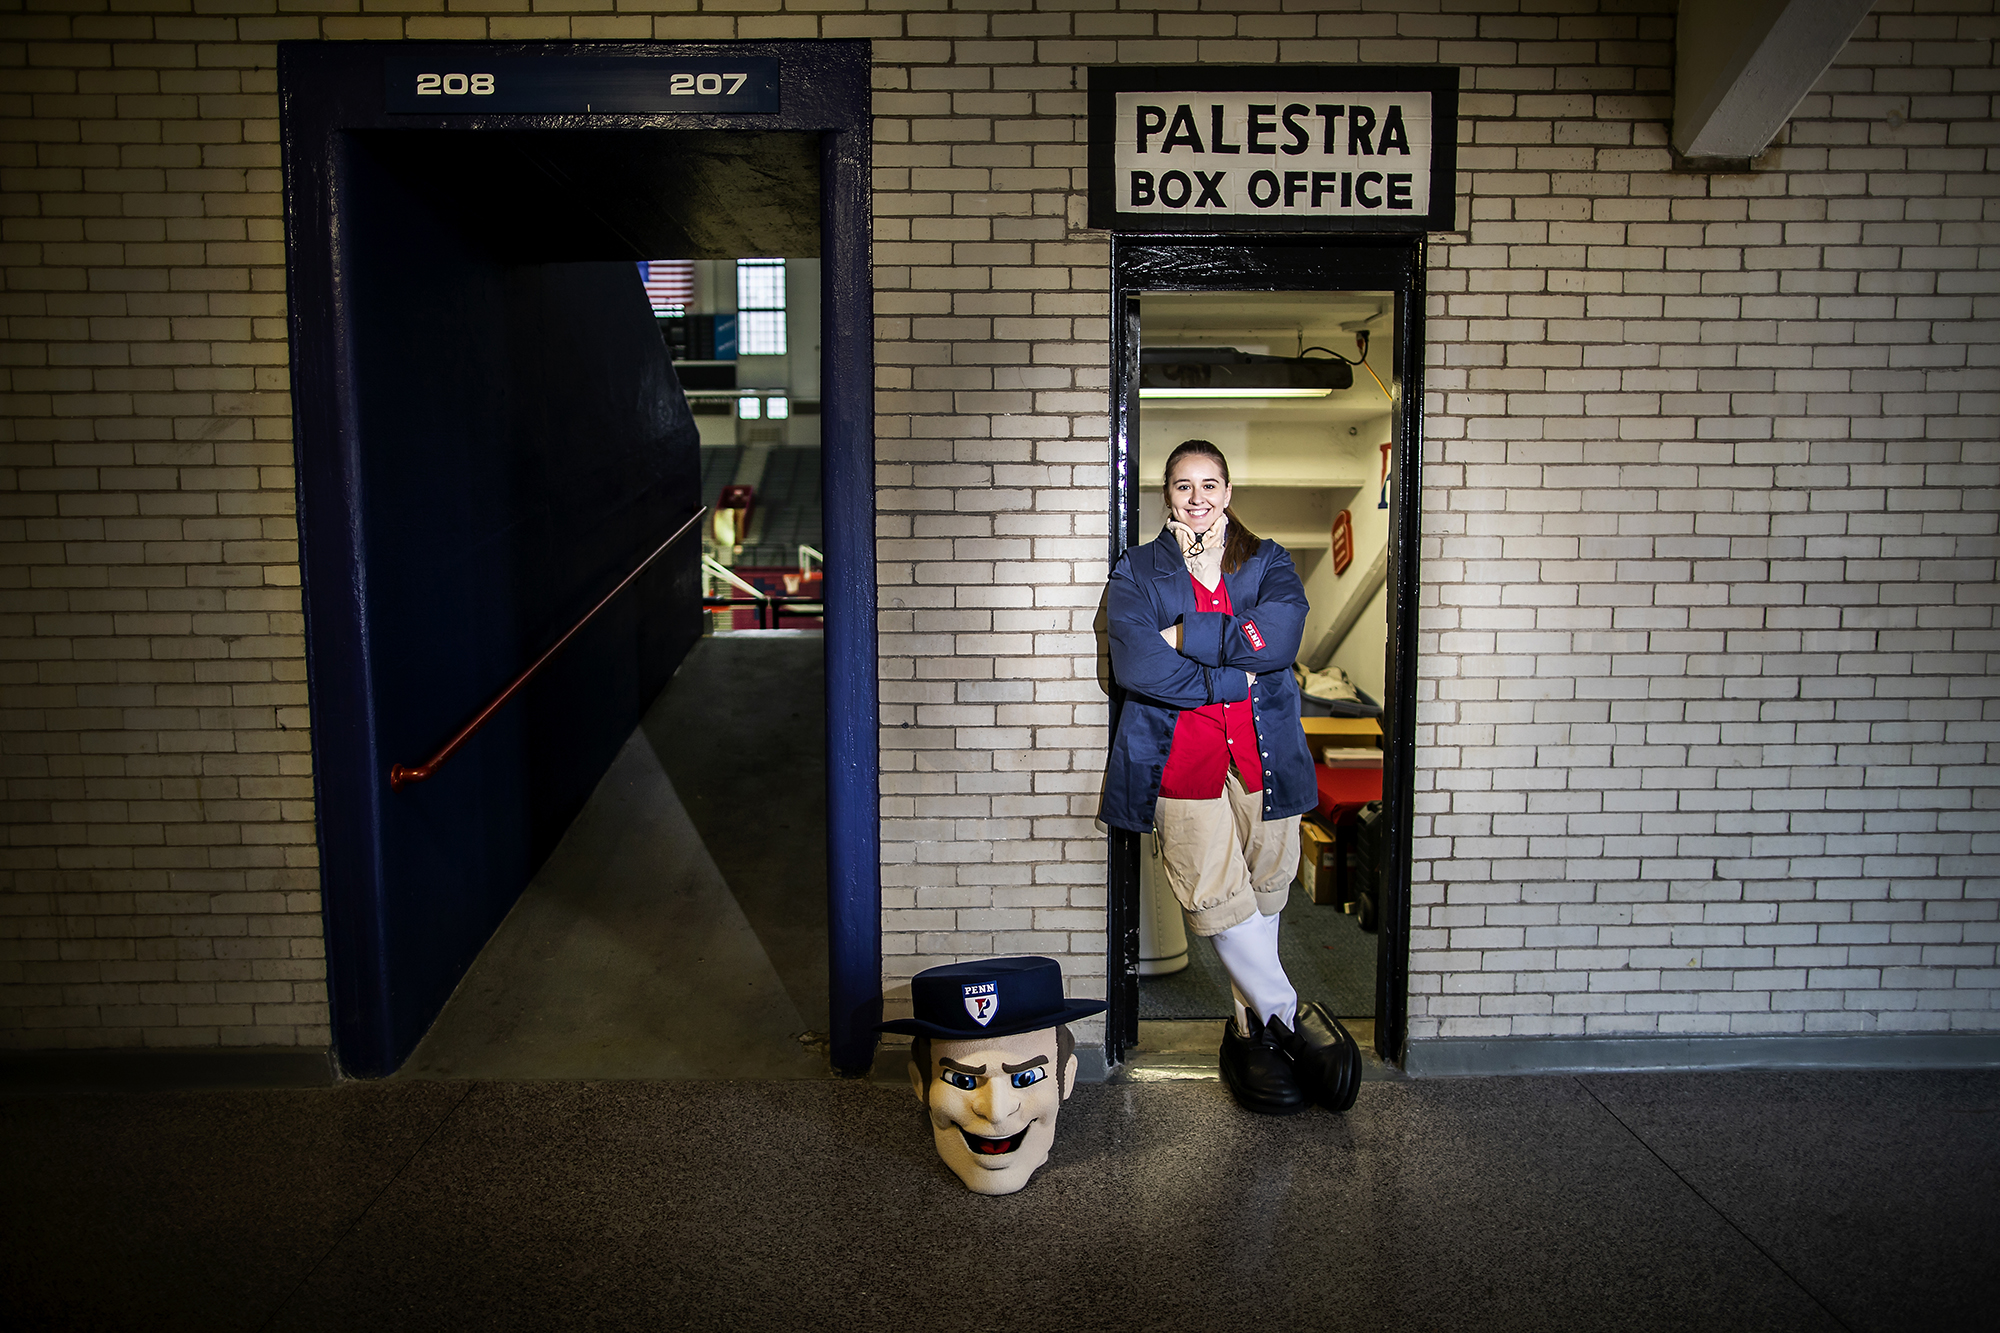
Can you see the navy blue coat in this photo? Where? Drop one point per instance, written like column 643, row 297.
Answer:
column 1150, row 590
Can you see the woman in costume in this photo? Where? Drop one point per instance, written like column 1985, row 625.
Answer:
column 1205, row 624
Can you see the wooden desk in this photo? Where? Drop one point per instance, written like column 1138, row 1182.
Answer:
column 1347, row 732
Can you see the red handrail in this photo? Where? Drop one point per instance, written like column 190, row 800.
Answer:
column 401, row 776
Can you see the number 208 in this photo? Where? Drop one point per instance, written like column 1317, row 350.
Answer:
column 454, row 85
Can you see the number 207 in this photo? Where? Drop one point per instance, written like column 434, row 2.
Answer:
column 705, row 85
column 454, row 85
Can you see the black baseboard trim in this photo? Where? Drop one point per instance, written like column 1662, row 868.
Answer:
column 203, row 1069
column 1462, row 1057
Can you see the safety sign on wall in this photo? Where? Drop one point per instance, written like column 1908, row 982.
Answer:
column 1296, row 148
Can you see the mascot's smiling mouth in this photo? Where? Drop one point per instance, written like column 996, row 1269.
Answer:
column 986, row 1147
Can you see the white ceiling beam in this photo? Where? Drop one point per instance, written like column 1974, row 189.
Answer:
column 1741, row 67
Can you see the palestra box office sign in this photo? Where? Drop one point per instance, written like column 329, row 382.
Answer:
column 1298, row 148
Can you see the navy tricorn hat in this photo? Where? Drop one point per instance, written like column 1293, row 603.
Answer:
column 994, row 997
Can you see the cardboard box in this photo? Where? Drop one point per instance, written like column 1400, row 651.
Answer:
column 1316, row 863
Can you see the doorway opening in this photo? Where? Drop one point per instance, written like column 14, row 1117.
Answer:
column 679, row 928
column 745, row 335
column 1319, row 423
column 497, row 435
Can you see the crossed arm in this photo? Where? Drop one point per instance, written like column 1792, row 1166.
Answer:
column 1262, row 637
column 1145, row 663
column 1208, row 656
column 1172, row 635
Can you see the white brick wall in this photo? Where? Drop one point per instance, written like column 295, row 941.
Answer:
column 992, row 474
column 1706, row 706
column 1708, row 701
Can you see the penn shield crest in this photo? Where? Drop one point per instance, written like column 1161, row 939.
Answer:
column 982, row 1001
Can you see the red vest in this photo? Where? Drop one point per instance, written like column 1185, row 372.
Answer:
column 1207, row 741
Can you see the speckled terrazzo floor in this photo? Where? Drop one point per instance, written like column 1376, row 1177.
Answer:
column 1759, row 1201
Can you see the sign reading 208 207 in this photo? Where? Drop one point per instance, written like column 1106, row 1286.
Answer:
column 1299, row 148
column 453, row 83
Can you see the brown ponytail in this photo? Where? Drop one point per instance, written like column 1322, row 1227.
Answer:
column 1241, row 543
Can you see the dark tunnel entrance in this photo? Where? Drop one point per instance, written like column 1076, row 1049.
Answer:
column 493, row 436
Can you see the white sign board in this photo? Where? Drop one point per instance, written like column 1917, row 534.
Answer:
column 1277, row 158
column 1275, row 154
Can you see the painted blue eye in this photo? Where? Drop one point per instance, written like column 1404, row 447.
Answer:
column 1028, row 1078
column 963, row 1082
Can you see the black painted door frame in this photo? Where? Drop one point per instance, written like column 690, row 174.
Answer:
column 328, row 90
column 1141, row 264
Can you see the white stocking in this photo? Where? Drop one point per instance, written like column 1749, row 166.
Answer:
column 1249, row 952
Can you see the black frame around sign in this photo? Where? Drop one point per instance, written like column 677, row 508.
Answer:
column 1107, row 81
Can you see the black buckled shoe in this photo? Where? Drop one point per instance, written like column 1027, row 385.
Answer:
column 1258, row 1074
column 1323, row 1053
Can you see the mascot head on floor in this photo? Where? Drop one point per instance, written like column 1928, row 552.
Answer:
column 993, row 1063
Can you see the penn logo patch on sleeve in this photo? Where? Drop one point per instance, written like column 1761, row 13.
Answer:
column 1250, row 633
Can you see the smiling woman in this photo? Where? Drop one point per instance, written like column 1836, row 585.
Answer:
column 1206, row 621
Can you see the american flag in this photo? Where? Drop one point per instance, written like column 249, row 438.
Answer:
column 669, row 284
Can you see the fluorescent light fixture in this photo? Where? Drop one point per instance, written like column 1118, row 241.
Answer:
column 748, row 409
column 1234, row 393
column 777, row 409
column 1224, row 372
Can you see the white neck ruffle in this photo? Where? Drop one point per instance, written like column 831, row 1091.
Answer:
column 1202, row 550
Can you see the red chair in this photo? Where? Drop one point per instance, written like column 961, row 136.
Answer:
column 1342, row 793
column 1346, row 789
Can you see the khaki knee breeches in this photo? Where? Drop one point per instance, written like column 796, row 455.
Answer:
column 1223, row 861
